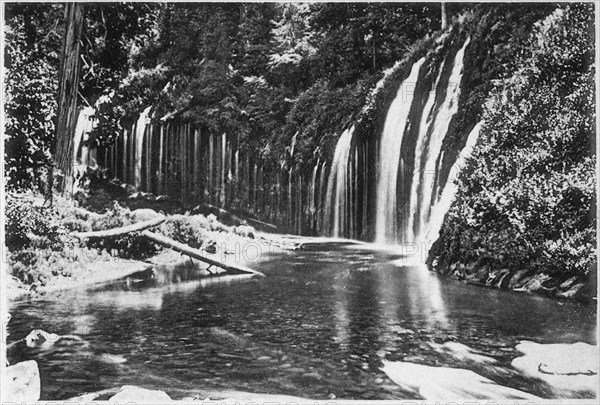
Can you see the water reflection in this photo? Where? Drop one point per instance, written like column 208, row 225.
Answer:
column 426, row 300
column 342, row 319
column 318, row 324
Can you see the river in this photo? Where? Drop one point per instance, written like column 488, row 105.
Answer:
column 317, row 326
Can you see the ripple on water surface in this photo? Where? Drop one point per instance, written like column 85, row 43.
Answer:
column 320, row 324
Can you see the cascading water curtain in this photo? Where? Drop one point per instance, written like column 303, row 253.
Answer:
column 400, row 197
column 337, row 199
column 386, row 220
column 404, row 204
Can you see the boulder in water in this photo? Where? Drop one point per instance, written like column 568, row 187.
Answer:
column 112, row 358
column 565, row 367
column 40, row 338
column 137, row 395
column 448, row 384
column 22, row 383
column 518, row 279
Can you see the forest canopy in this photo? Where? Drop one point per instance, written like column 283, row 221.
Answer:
column 244, row 68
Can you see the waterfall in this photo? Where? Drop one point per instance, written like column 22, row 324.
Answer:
column 440, row 124
column 442, row 205
column 161, row 148
column 320, row 216
column 148, row 173
column 84, row 126
column 289, row 196
column 211, row 160
column 337, row 201
column 393, row 186
column 125, row 176
column 254, row 198
column 223, row 168
column 389, row 158
column 419, row 153
column 140, row 130
column 293, row 144
column 237, row 173
column 312, row 189
column 196, row 167
column 419, row 179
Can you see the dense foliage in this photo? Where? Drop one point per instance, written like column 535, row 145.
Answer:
column 266, row 72
column 41, row 247
column 34, row 35
column 262, row 71
column 31, row 59
column 526, row 198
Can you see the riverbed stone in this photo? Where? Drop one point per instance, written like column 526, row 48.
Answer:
column 461, row 353
column 590, row 289
column 23, row 383
column 137, row 395
column 517, row 279
column 482, row 273
column 571, row 291
column 502, row 278
column 448, row 384
column 536, row 283
column 567, row 368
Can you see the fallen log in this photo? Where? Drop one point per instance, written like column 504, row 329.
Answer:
column 197, row 254
column 256, row 221
column 140, row 226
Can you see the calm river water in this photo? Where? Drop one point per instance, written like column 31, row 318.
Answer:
column 317, row 326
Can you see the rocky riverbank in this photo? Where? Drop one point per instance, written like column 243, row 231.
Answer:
column 566, row 370
column 578, row 287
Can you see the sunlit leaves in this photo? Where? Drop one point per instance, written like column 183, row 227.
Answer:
column 527, row 197
column 30, row 108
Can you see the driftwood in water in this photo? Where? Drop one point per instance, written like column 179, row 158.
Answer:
column 197, row 254
column 140, row 226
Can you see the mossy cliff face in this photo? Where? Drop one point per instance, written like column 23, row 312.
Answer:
column 525, row 212
column 483, row 43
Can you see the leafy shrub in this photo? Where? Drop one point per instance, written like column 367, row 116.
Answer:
column 26, row 221
column 215, row 225
column 76, row 225
column 132, row 245
column 115, row 217
column 190, row 230
column 526, row 198
column 34, row 266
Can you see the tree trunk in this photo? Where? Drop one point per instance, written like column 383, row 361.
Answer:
column 444, row 16
column 68, row 84
column 124, row 230
column 198, row 254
